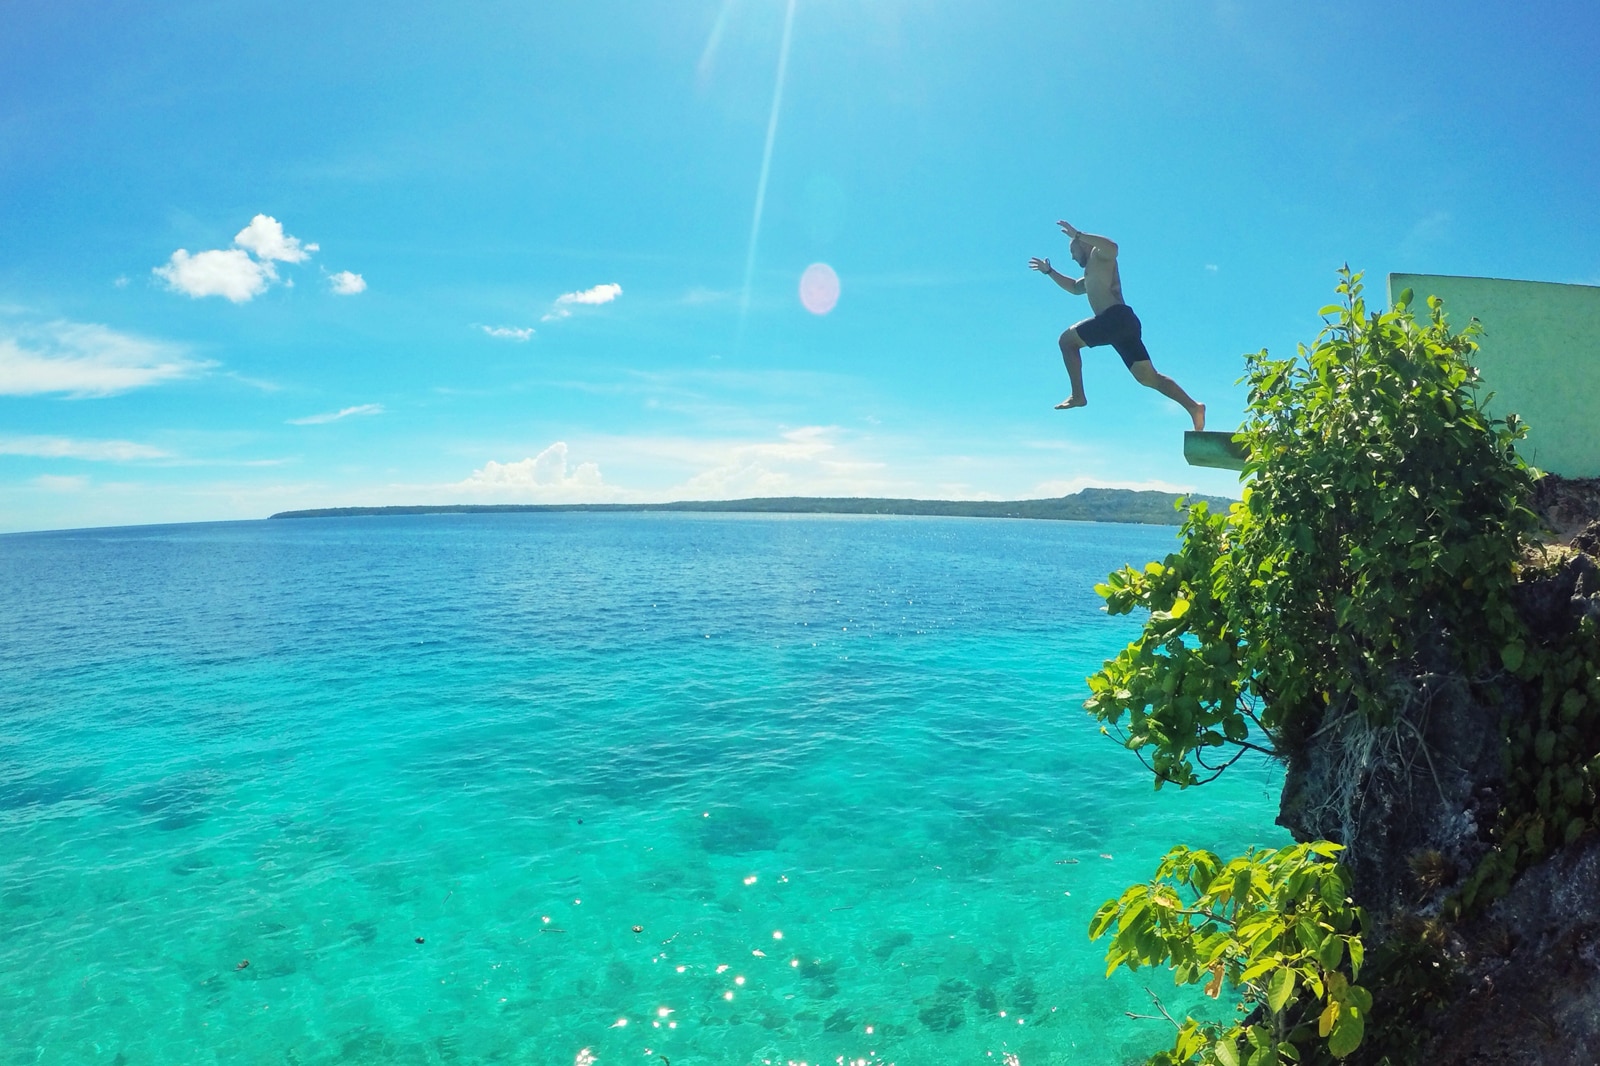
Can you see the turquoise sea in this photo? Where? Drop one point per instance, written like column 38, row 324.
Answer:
column 713, row 790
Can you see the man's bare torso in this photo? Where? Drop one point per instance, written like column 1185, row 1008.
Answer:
column 1101, row 282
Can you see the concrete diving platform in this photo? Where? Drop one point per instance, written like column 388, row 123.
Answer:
column 1217, row 450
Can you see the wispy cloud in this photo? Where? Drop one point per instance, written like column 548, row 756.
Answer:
column 700, row 295
column 510, row 333
column 810, row 460
column 62, row 483
column 67, row 448
column 600, row 294
column 245, row 271
column 1426, row 237
column 334, row 416
column 1068, row 486
column 83, row 359
column 346, row 283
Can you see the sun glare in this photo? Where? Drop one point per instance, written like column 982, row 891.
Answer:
column 819, row 288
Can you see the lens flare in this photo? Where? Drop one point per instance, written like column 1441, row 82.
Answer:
column 819, row 288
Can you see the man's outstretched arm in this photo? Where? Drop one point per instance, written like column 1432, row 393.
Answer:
column 1104, row 245
column 1072, row 285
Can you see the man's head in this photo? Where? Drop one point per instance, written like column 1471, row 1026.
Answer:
column 1079, row 250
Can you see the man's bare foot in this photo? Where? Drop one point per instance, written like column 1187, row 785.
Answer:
column 1072, row 401
column 1199, row 416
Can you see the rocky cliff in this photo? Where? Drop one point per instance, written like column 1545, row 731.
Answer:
column 1416, row 804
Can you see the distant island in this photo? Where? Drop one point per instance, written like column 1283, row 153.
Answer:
column 1090, row 505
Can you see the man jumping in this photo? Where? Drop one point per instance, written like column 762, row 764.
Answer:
column 1114, row 322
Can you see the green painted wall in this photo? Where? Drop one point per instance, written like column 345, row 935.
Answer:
column 1540, row 358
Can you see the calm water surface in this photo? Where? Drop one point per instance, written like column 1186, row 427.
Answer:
column 720, row 790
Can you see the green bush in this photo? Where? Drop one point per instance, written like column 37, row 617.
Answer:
column 1381, row 529
column 1383, row 510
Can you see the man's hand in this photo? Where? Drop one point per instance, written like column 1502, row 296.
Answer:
column 1041, row 265
column 1069, row 229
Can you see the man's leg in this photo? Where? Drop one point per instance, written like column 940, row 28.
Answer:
column 1071, row 346
column 1147, row 375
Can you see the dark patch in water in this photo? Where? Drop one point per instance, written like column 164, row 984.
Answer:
column 176, row 803
column 735, row 831
column 379, row 1050
column 269, row 970
column 620, row 974
column 945, row 1014
column 887, row 946
column 818, row 967
column 364, row 931
column 1024, row 997
column 838, row 1022
column 48, row 788
column 987, row 1000
column 191, row 864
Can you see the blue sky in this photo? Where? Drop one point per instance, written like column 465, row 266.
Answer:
column 537, row 274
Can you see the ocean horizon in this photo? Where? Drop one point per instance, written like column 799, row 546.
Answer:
column 576, row 787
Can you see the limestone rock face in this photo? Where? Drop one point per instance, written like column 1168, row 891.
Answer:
column 1567, row 504
column 1415, row 805
column 1530, row 989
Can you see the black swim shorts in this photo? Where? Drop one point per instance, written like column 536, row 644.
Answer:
column 1119, row 327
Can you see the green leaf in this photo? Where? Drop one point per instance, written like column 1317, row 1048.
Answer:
column 1347, row 1034
column 1511, row 655
column 1261, row 967
column 1280, row 988
column 1227, row 1051
column 1331, row 952
column 1102, row 919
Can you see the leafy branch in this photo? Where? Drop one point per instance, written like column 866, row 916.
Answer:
column 1278, row 927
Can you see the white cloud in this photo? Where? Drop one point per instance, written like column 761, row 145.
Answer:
column 265, row 237
column 334, row 416
column 545, row 475
column 600, row 294
column 66, row 448
column 234, row 275
column 510, row 333
column 809, row 461
column 229, row 273
column 83, row 359
column 346, row 283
